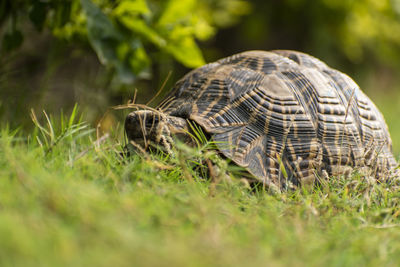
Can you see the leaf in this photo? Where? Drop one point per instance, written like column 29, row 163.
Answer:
column 177, row 25
column 138, row 60
column 138, row 26
column 134, row 56
column 105, row 40
column 132, row 7
column 102, row 34
column 177, row 10
column 202, row 29
column 127, row 13
column 187, row 52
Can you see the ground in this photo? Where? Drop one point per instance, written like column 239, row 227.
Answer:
column 67, row 200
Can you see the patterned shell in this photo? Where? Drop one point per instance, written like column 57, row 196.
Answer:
column 285, row 116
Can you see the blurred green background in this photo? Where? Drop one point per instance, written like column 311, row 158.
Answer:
column 97, row 53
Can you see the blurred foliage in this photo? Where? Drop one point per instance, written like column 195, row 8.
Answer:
column 347, row 33
column 124, row 33
column 130, row 35
column 96, row 52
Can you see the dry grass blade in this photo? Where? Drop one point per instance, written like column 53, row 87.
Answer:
column 134, row 96
column 213, row 176
column 131, row 105
column 141, row 107
column 161, row 88
column 50, row 125
column 140, row 149
column 96, row 145
column 134, row 106
column 159, row 165
column 36, row 122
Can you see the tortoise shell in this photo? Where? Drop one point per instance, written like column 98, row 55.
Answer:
column 285, row 116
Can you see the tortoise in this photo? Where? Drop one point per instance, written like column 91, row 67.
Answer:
column 287, row 117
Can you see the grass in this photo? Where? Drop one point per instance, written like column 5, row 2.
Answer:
column 67, row 200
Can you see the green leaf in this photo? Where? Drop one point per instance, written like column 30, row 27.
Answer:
column 127, row 13
column 105, row 40
column 202, row 29
column 187, row 52
column 138, row 26
column 102, row 34
column 138, row 60
column 178, row 26
column 134, row 56
column 133, row 7
column 177, row 10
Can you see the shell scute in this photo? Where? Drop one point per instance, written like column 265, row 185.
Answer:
column 285, row 109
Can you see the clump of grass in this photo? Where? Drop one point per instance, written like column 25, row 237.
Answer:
column 49, row 135
column 69, row 199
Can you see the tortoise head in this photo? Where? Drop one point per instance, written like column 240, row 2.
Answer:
column 154, row 128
